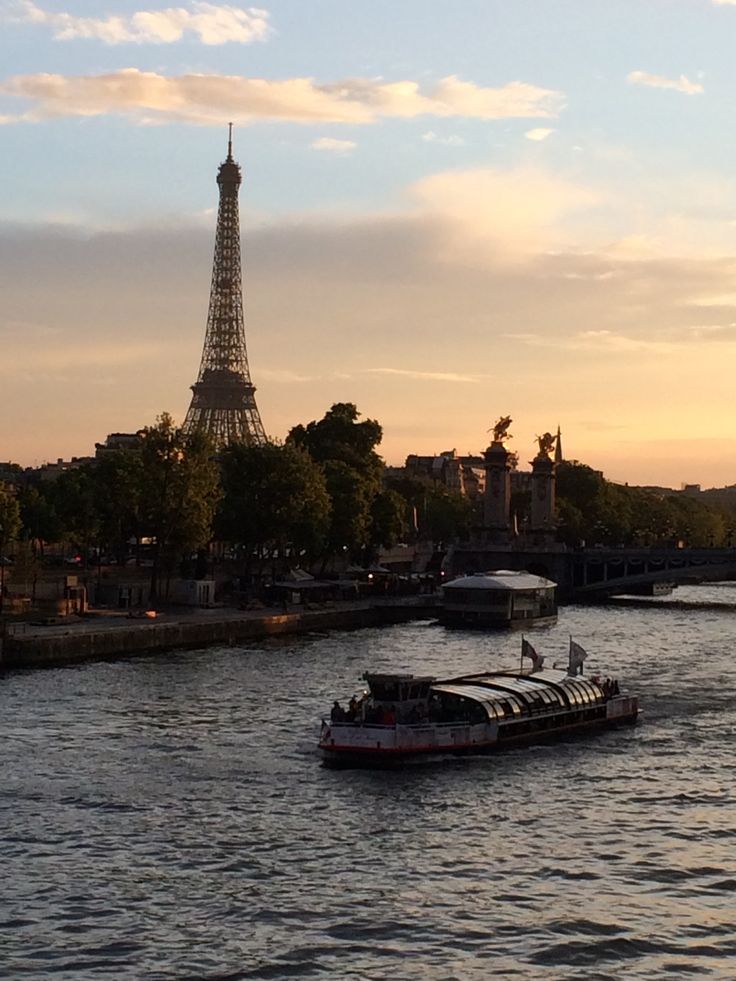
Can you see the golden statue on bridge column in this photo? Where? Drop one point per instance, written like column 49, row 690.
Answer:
column 546, row 444
column 501, row 430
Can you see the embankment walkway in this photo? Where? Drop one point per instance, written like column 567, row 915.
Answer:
column 99, row 636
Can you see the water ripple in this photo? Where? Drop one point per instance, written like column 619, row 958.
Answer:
column 168, row 818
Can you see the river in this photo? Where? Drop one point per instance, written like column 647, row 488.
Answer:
column 168, row 817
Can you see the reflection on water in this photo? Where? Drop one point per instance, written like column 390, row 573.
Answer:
column 168, row 817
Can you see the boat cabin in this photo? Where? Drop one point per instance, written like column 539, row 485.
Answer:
column 398, row 688
column 502, row 598
column 404, row 697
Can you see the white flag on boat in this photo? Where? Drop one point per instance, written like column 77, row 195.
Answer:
column 528, row 651
column 577, row 655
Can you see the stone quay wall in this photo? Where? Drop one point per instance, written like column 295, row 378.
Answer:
column 85, row 640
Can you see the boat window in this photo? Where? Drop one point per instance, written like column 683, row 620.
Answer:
column 385, row 691
column 572, row 693
column 518, row 707
column 582, row 690
column 549, row 696
column 590, row 688
column 556, row 697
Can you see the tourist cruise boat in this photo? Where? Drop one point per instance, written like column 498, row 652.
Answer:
column 503, row 598
column 405, row 716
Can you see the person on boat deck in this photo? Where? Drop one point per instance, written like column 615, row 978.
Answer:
column 418, row 713
column 352, row 711
column 337, row 713
column 389, row 716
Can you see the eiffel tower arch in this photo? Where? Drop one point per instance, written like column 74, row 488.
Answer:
column 223, row 397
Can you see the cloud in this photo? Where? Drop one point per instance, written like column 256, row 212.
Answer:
column 210, row 23
column 389, row 301
column 503, row 214
column 282, row 376
column 681, row 84
column 441, row 376
column 54, row 355
column 214, row 99
column 538, row 134
column 332, row 145
column 432, row 137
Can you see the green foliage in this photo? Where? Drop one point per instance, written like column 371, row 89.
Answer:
column 38, row 514
column 26, row 568
column 346, row 450
column 596, row 511
column 274, row 497
column 436, row 513
column 9, row 529
column 338, row 436
column 448, row 516
column 180, row 495
column 10, row 523
column 388, row 519
column 351, row 497
column 120, row 494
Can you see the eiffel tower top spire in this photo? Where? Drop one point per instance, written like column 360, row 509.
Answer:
column 223, row 400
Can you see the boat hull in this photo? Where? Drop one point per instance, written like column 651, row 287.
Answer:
column 470, row 620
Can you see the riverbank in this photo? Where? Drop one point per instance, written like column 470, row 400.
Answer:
column 107, row 635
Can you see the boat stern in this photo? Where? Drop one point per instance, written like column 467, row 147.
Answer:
column 622, row 708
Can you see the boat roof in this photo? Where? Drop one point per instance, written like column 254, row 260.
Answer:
column 541, row 687
column 506, row 579
column 392, row 676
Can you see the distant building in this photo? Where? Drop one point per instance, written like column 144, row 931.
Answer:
column 462, row 474
column 118, row 441
column 52, row 471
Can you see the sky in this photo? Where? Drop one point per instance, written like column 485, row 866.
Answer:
column 451, row 211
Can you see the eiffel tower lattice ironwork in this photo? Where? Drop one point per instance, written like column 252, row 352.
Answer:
column 223, row 401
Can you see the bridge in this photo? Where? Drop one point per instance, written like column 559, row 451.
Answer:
column 598, row 573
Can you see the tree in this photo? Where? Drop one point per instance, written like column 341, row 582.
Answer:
column 351, row 497
column 38, row 515
column 346, row 450
column 181, row 493
column 26, row 568
column 274, row 498
column 9, row 530
column 596, row 510
column 436, row 513
column 448, row 516
column 339, row 436
column 75, row 500
column 388, row 523
column 120, row 491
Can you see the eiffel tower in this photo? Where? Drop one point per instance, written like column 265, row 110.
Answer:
column 223, row 401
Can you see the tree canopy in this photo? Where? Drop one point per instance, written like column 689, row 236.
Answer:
column 346, row 450
column 181, row 493
column 597, row 511
column 274, row 500
column 9, row 529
